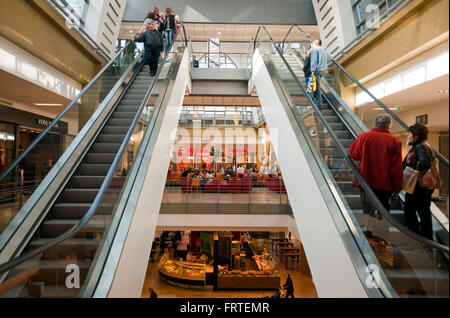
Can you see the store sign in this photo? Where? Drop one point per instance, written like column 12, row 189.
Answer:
column 31, row 120
column 422, row 119
column 214, row 52
column 45, row 122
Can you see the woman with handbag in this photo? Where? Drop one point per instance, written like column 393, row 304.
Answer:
column 420, row 157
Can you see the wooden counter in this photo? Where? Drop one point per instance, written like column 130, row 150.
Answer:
column 248, row 282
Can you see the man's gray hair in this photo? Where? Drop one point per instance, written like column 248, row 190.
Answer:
column 383, row 121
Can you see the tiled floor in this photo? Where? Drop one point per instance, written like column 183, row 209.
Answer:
column 303, row 286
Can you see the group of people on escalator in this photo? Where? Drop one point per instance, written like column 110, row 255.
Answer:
column 380, row 155
column 157, row 34
column 381, row 165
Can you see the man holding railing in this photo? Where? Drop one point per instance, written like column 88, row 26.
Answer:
column 154, row 44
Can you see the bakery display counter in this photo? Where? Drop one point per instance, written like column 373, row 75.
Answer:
column 264, row 276
column 184, row 274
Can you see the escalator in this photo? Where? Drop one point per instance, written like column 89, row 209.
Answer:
column 341, row 119
column 67, row 223
column 411, row 265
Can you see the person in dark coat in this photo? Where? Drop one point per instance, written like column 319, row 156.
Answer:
column 380, row 156
column 154, row 44
column 153, row 294
column 289, row 286
column 420, row 158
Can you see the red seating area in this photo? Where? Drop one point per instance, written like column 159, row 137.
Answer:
column 237, row 185
column 276, row 185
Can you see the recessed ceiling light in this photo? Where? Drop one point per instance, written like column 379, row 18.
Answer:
column 131, row 31
column 443, row 91
column 219, row 33
column 46, row 104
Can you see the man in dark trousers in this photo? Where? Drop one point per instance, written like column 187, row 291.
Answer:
column 289, row 286
column 380, row 155
column 154, row 43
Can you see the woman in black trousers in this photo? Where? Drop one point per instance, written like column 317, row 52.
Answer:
column 420, row 158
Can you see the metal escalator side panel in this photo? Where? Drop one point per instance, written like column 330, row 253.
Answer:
column 356, row 127
column 109, row 276
column 310, row 197
column 20, row 231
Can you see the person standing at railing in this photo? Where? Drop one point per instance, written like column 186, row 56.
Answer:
column 380, row 156
column 153, row 43
column 194, row 62
column 420, row 157
column 319, row 59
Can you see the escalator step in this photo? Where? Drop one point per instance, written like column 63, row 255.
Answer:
column 79, row 195
column 342, row 134
column 87, row 182
column 107, row 158
column 56, row 227
column 78, row 210
column 108, row 138
column 82, row 248
column 89, row 169
column 104, row 148
column 120, row 121
column 332, row 119
column 115, row 130
column 337, row 126
column 123, row 115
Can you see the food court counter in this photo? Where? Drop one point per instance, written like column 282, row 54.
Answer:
column 184, row 274
column 265, row 275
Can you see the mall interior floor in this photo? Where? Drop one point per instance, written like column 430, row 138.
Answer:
column 303, row 285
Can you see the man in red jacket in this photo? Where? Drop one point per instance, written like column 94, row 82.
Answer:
column 380, row 156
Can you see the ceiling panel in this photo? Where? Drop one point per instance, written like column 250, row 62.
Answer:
column 228, row 32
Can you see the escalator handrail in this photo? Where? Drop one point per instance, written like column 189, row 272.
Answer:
column 57, row 118
column 374, row 199
column 104, row 187
column 441, row 158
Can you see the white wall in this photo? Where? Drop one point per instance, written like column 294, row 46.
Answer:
column 230, row 11
column 332, row 269
column 20, row 63
column 336, row 24
column 103, row 21
column 130, row 272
